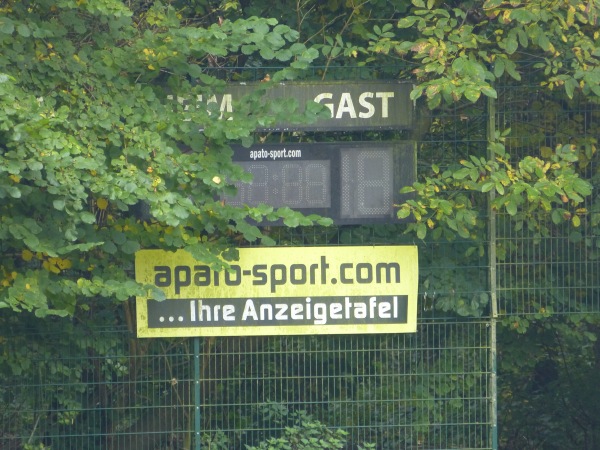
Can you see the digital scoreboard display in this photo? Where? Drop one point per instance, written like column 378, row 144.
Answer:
column 352, row 183
column 297, row 184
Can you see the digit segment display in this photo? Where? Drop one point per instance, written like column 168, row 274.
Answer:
column 367, row 181
column 297, row 184
column 352, row 183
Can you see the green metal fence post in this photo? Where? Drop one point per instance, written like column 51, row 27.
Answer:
column 197, row 435
column 493, row 283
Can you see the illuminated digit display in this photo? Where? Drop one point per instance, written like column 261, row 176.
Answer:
column 353, row 183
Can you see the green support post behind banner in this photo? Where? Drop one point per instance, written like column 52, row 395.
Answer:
column 493, row 288
column 197, row 423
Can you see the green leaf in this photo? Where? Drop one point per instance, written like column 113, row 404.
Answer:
column 489, row 91
column 130, row 247
column 488, row 186
column 23, row 30
column 557, row 216
column 110, row 247
column 511, row 207
column 267, row 53
column 403, row 212
column 180, row 212
column 291, row 221
column 421, row 230
column 35, row 165
column 13, row 191
column 463, row 231
column 284, row 55
column 6, row 25
column 570, row 85
column 88, row 217
column 583, row 187
column 498, row 148
column 510, row 67
column 499, row 67
column 511, row 44
column 523, row 15
column 472, row 94
column 324, row 222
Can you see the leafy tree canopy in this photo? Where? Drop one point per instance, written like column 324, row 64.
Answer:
column 89, row 137
column 96, row 161
column 461, row 51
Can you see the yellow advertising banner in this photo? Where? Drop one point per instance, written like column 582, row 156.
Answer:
column 281, row 291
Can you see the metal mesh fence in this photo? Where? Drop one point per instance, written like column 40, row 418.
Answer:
column 105, row 389
column 65, row 386
column 397, row 391
column 551, row 266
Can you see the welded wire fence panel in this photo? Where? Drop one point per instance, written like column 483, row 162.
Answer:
column 95, row 390
column 549, row 261
column 396, row 391
column 548, row 274
column 424, row 390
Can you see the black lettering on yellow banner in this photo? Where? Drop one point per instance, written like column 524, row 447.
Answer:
column 282, row 290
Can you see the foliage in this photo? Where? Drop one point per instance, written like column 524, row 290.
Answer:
column 464, row 47
column 88, row 138
column 522, row 191
column 552, row 371
column 306, row 434
column 31, row 356
column 462, row 51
